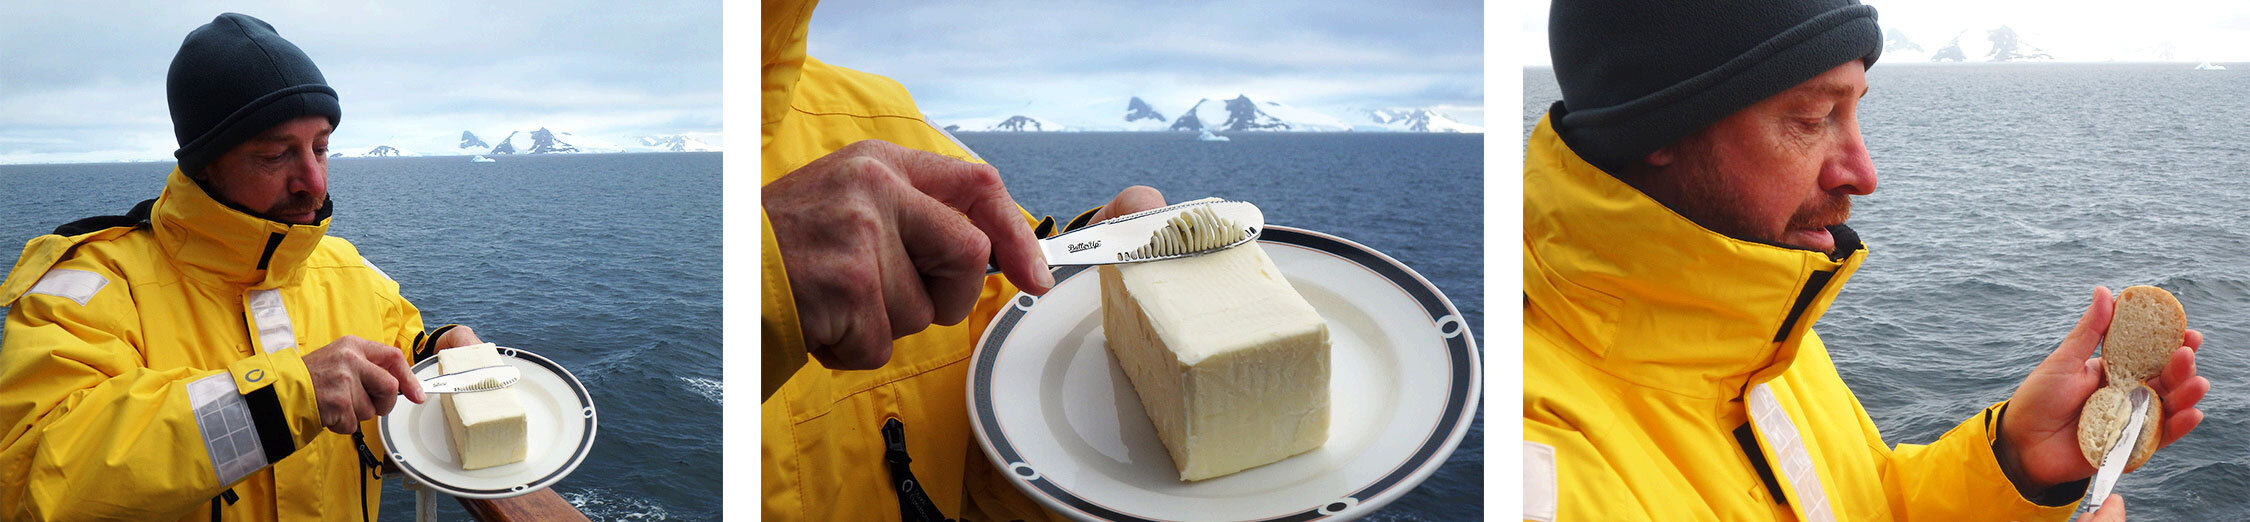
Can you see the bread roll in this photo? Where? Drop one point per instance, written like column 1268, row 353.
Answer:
column 2147, row 326
column 2105, row 416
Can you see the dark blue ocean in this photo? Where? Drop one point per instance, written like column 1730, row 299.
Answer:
column 1416, row 197
column 608, row 264
column 2006, row 192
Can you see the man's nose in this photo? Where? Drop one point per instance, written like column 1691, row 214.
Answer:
column 1850, row 170
column 310, row 174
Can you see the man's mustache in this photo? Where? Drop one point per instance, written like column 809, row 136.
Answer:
column 1828, row 213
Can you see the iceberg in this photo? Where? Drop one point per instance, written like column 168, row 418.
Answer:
column 480, row 159
column 1208, row 136
column 2206, row 66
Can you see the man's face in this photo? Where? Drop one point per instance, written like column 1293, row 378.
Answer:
column 1780, row 171
column 281, row 175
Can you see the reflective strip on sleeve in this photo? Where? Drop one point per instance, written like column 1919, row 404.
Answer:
column 378, row 271
column 228, row 435
column 1796, row 467
column 75, row 285
column 1539, row 491
column 272, row 317
column 949, row 137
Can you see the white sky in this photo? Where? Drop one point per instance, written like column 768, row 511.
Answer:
column 84, row 81
column 2071, row 30
column 992, row 58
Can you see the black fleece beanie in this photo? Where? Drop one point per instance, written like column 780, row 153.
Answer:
column 1637, row 75
column 233, row 79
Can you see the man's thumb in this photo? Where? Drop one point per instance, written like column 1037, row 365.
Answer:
column 2087, row 334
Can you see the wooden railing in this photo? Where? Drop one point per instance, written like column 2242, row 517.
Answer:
column 537, row 505
column 541, row 505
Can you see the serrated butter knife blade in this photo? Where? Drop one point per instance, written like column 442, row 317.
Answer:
column 2113, row 462
column 1106, row 242
column 475, row 380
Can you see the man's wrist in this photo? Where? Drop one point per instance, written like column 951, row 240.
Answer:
column 2011, row 465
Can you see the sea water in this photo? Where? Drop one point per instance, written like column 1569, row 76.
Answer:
column 607, row 264
column 2006, row 193
column 1416, row 197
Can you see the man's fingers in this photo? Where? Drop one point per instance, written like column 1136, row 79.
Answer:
column 2178, row 425
column 948, row 254
column 392, row 363
column 2194, row 340
column 2178, row 370
column 1133, row 199
column 361, row 410
column 2186, row 395
column 2112, row 510
column 977, row 191
column 2088, row 333
column 865, row 345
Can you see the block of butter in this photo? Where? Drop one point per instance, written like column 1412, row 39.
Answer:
column 1229, row 360
column 487, row 426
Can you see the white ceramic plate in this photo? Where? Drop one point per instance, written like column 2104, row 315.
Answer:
column 1051, row 407
column 558, row 418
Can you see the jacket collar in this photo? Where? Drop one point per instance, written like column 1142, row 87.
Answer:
column 209, row 240
column 1653, row 298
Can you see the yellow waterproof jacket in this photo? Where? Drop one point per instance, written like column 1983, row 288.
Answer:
column 146, row 370
column 1671, row 373
column 821, row 451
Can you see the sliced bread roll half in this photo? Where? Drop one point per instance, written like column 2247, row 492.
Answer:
column 2105, row 416
column 2147, row 326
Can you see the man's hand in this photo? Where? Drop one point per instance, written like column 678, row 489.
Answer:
column 1133, row 199
column 882, row 241
column 356, row 379
column 460, row 335
column 2112, row 510
column 2038, row 441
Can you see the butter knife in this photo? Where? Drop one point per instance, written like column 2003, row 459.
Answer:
column 2113, row 462
column 1127, row 238
column 475, row 380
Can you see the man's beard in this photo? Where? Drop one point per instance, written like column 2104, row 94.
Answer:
column 292, row 204
column 1710, row 200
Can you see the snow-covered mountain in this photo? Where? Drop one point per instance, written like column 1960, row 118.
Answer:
column 675, row 143
column 1241, row 113
column 1999, row 44
column 1137, row 110
column 527, row 139
column 1020, row 123
column 1898, row 48
column 543, row 141
column 1238, row 113
column 384, row 151
column 1414, row 120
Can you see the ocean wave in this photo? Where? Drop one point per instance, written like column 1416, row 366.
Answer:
column 709, row 388
column 602, row 504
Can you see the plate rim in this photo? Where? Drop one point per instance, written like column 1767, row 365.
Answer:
column 578, row 456
column 1462, row 397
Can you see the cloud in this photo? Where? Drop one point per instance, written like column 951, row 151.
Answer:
column 963, row 59
column 80, row 81
column 2071, row 30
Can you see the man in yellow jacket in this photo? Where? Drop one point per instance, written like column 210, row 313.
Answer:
column 188, row 360
column 876, row 228
column 1684, row 209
